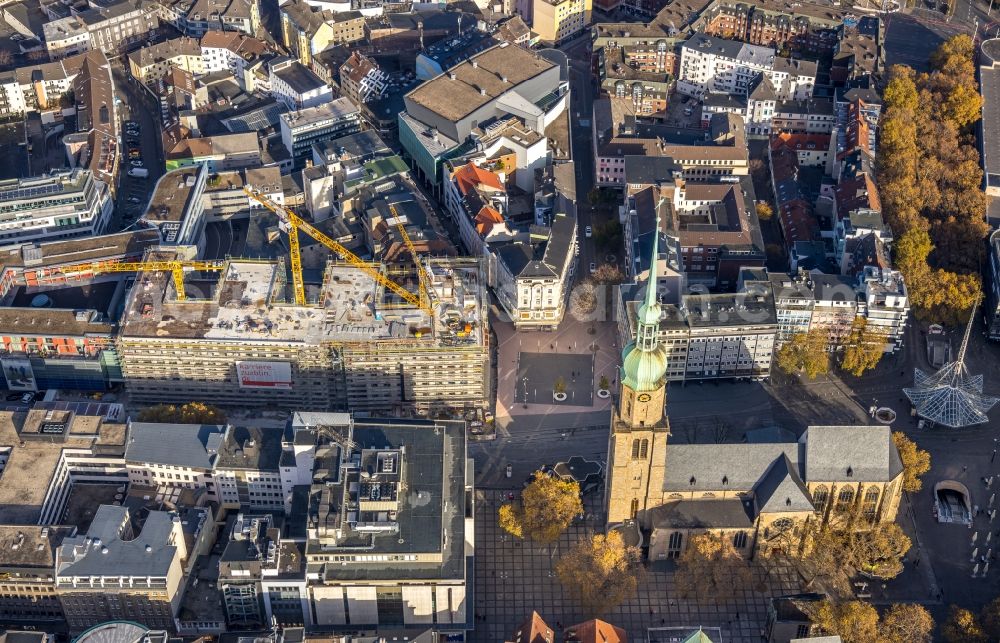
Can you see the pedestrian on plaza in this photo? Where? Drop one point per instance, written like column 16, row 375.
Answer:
column 916, row 563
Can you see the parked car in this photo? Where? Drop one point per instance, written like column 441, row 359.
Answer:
column 588, row 231
column 593, row 267
column 134, row 199
column 136, row 163
column 13, row 396
column 27, row 398
column 138, row 172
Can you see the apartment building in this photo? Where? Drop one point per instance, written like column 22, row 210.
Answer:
column 361, row 347
column 151, row 64
column 529, row 263
column 710, row 64
column 67, row 203
column 637, row 69
column 66, row 36
column 617, row 136
column 197, row 17
column 717, row 336
column 348, row 27
column 236, row 467
column 803, row 26
column 231, row 51
column 808, row 301
column 121, row 570
column 305, row 30
column 558, row 20
column 297, row 86
column 361, row 79
column 110, row 27
column 303, row 128
column 712, row 224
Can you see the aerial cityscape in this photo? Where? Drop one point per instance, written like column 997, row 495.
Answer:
column 513, row 321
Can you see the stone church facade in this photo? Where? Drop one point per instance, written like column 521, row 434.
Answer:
column 755, row 491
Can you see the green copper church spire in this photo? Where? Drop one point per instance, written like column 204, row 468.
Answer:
column 644, row 360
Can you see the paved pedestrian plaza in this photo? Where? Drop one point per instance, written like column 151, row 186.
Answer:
column 514, row 577
column 537, row 374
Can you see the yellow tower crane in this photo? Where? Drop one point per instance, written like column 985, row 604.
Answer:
column 176, row 268
column 296, row 223
column 426, row 287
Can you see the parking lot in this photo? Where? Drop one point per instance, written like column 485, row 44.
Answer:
column 683, row 111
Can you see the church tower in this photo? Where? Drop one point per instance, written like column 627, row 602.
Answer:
column 639, row 426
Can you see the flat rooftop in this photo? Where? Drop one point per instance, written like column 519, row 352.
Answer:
column 431, row 503
column 67, row 251
column 53, row 322
column 172, row 195
column 332, row 111
column 31, row 546
column 479, row 80
column 989, row 74
column 249, row 303
column 32, row 462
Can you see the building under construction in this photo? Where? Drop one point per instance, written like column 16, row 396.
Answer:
column 239, row 337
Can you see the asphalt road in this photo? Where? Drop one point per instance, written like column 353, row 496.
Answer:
column 138, row 105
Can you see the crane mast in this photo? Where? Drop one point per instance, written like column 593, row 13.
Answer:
column 296, row 223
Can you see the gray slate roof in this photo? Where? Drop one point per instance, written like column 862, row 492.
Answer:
column 742, row 465
column 183, row 445
column 112, row 556
column 781, row 490
column 868, row 451
column 731, row 513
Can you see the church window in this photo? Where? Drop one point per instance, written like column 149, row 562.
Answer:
column 643, row 449
column 820, row 495
column 635, row 449
column 845, row 498
column 674, row 544
column 634, row 509
column 740, row 540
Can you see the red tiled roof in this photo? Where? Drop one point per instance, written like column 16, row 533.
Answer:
column 533, row 630
column 595, row 631
column 470, row 176
column 486, row 219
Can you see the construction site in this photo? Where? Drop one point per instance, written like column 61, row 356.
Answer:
column 410, row 338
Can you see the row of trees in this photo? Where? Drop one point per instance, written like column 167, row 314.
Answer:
column 190, row 413
column 930, row 180
column 859, row 622
column 807, row 352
